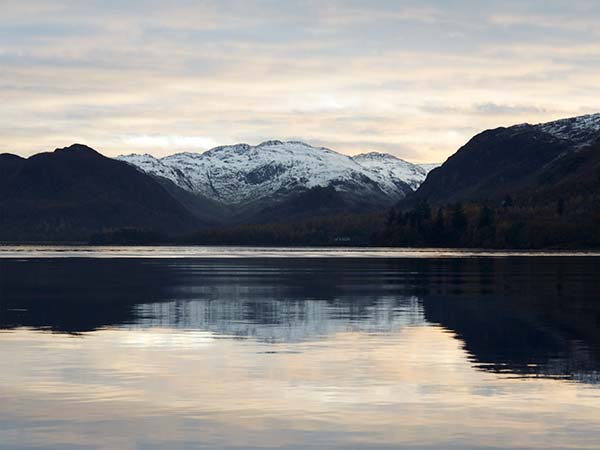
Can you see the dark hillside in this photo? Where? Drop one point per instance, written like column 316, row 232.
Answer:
column 74, row 192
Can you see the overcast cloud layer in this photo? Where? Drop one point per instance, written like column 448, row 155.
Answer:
column 413, row 78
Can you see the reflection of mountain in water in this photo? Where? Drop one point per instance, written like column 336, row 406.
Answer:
column 512, row 335
column 272, row 320
column 525, row 316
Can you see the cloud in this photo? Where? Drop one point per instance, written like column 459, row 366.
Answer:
column 570, row 22
column 414, row 78
column 496, row 109
column 170, row 142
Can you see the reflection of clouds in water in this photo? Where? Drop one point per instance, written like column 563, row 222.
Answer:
column 217, row 354
column 412, row 386
column 157, row 337
column 513, row 315
column 532, row 350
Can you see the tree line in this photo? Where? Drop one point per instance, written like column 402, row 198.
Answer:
column 505, row 225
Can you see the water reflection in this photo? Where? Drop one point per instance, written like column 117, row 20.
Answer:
column 298, row 353
column 520, row 315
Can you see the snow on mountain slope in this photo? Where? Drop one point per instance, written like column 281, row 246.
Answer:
column 242, row 173
column 150, row 164
column 580, row 130
column 430, row 166
column 384, row 168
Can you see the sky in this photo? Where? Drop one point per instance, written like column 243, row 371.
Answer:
column 413, row 78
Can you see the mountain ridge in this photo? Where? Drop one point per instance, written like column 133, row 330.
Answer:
column 528, row 176
column 513, row 161
column 275, row 170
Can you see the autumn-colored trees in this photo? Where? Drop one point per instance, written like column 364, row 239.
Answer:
column 504, row 226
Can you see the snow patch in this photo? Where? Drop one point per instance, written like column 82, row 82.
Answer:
column 580, row 130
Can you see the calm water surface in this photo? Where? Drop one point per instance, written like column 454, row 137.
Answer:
column 437, row 351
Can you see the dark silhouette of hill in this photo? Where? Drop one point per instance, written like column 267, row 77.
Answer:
column 532, row 164
column 74, row 192
column 526, row 186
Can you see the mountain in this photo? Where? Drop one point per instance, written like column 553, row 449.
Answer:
column 532, row 163
column 385, row 169
column 74, row 192
column 251, row 179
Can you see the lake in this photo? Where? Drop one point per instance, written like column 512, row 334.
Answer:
column 193, row 348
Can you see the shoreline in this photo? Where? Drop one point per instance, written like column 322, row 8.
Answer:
column 218, row 252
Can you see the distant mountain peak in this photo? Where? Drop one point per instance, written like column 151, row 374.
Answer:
column 141, row 155
column 270, row 143
column 76, row 148
column 302, row 143
column 375, row 155
column 234, row 147
column 240, row 173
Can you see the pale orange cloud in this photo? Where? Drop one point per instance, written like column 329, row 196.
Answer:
column 414, row 79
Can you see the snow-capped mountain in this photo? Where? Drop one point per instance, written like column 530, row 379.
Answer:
column 581, row 131
column 242, row 174
column 385, row 168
